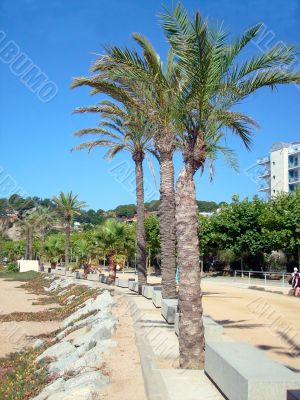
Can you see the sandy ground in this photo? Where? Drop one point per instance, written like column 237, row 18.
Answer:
column 17, row 335
column 269, row 321
column 122, row 364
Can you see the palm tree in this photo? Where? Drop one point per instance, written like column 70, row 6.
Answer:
column 212, row 80
column 28, row 227
column 68, row 206
column 145, row 85
column 46, row 219
column 124, row 129
column 114, row 237
column 215, row 82
column 54, row 248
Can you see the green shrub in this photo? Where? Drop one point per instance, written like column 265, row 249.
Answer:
column 12, row 268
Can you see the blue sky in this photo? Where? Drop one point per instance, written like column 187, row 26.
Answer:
column 62, row 39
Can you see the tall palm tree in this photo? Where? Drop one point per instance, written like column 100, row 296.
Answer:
column 212, row 80
column 216, row 80
column 123, row 129
column 68, row 206
column 149, row 87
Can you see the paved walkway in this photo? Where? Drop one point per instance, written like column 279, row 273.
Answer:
column 158, row 347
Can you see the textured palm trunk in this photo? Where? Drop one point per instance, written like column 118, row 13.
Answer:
column 67, row 244
column 112, row 270
column 27, row 245
column 42, row 244
column 167, row 226
column 141, row 241
column 30, row 244
column 191, row 330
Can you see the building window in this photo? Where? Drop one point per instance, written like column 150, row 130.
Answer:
column 273, row 162
column 273, row 176
column 273, row 190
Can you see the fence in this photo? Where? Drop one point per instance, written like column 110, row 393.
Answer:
column 268, row 278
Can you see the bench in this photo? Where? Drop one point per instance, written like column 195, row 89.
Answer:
column 212, row 330
column 147, row 291
column 103, row 278
column 156, row 297
column 169, row 309
column 71, row 274
column 293, row 395
column 122, row 282
column 132, row 285
column 242, row 372
column 93, row 277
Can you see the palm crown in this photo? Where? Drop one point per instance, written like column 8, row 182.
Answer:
column 68, row 205
column 120, row 128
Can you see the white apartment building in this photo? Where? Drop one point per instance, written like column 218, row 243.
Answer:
column 280, row 171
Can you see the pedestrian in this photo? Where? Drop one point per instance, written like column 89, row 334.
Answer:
column 296, row 282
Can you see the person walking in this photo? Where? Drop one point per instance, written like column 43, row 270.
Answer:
column 296, row 282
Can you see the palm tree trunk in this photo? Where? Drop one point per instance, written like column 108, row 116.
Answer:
column 42, row 244
column 67, row 243
column 112, row 270
column 167, row 226
column 191, row 331
column 27, row 245
column 30, row 244
column 141, row 241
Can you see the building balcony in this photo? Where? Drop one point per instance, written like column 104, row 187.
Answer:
column 294, row 180
column 264, row 174
column 264, row 187
column 264, row 160
column 294, row 165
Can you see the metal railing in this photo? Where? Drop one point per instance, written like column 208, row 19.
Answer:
column 263, row 160
column 294, row 179
column 271, row 278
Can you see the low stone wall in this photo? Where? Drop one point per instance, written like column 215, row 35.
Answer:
column 76, row 355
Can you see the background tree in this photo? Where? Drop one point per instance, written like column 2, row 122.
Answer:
column 68, row 206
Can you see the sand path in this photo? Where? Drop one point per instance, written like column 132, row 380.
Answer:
column 123, row 364
column 14, row 336
column 266, row 320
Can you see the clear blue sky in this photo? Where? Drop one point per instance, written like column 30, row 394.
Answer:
column 61, row 37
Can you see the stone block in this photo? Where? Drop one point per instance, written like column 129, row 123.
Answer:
column 93, row 277
column 293, row 395
column 132, row 285
column 156, row 297
column 120, row 282
column 212, row 330
column 169, row 309
column 243, row 372
column 103, row 279
column 147, row 291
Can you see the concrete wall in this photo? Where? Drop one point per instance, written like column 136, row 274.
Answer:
column 279, row 171
column 28, row 265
